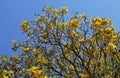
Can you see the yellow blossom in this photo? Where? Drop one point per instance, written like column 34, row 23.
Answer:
column 68, row 44
column 105, row 22
column 96, row 54
column 42, row 60
column 74, row 22
column 13, row 42
column 102, row 60
column 35, row 71
column 25, row 26
column 5, row 76
column 93, row 62
column 107, row 35
column 114, row 37
column 45, row 76
column 108, row 30
column 26, row 49
column 36, row 51
column 106, row 50
column 44, row 35
column 75, row 34
column 58, row 11
column 97, row 22
column 65, row 9
column 112, row 46
column 84, row 76
column 16, row 58
column 51, row 26
column 5, row 58
column 72, row 70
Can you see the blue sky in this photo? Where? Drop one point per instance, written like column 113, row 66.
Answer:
column 12, row 12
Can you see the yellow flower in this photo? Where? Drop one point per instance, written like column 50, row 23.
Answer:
column 97, row 22
column 72, row 70
column 102, row 60
column 67, row 44
column 74, row 22
column 93, row 62
column 5, row 58
column 36, row 51
column 45, row 76
column 42, row 60
column 51, row 26
column 108, row 30
column 65, row 10
column 16, row 58
column 105, row 22
column 112, row 46
column 114, row 37
column 75, row 34
column 26, row 49
column 44, row 35
column 58, row 11
column 106, row 50
column 13, row 42
column 25, row 23
column 35, row 71
column 108, row 35
column 25, row 26
column 5, row 76
column 96, row 54
column 84, row 76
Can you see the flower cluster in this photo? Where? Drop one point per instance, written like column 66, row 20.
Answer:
column 99, row 22
column 25, row 26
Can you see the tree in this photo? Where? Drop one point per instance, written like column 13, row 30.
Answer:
column 56, row 48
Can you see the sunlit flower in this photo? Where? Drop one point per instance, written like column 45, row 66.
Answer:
column 112, row 46
column 58, row 11
column 5, row 58
column 45, row 76
column 102, row 60
column 96, row 54
column 114, row 37
column 26, row 48
column 74, row 22
column 35, row 71
column 13, row 42
column 25, row 26
column 106, row 50
column 84, row 76
column 5, row 76
column 16, row 58
column 42, row 60
column 44, row 35
column 74, row 34
column 108, row 30
column 97, row 22
column 107, row 35
column 36, row 51
column 65, row 9
column 67, row 44
column 105, row 22
column 93, row 62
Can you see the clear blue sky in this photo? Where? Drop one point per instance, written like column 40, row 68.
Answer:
column 12, row 12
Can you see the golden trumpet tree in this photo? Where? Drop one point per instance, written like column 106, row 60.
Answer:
column 60, row 48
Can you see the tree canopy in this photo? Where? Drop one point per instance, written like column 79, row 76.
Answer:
column 58, row 48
